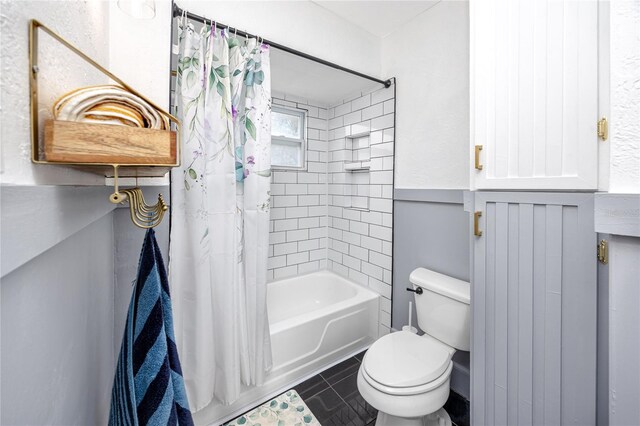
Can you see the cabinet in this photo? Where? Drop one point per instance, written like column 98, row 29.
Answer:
column 534, row 94
column 533, row 355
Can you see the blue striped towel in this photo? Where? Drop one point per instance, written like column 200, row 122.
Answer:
column 148, row 388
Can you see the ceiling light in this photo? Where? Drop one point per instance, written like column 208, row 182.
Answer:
column 141, row 9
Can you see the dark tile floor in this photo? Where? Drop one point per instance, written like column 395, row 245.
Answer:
column 333, row 396
column 334, row 399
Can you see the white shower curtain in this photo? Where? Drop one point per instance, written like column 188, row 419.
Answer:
column 220, row 214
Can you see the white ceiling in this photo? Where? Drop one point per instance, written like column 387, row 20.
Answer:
column 293, row 75
column 380, row 18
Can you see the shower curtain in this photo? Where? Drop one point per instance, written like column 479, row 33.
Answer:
column 220, row 213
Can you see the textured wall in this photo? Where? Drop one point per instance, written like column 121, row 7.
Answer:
column 625, row 97
column 140, row 50
column 86, row 25
column 624, row 343
column 429, row 56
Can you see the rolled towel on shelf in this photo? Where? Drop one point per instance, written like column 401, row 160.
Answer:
column 109, row 104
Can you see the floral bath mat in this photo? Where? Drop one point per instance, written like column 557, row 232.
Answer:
column 287, row 409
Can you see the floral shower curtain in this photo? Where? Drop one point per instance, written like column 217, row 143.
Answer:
column 220, row 213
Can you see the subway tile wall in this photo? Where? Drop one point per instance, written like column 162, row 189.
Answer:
column 337, row 214
column 298, row 227
column 360, row 184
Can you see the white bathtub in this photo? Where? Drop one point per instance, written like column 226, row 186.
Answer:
column 315, row 320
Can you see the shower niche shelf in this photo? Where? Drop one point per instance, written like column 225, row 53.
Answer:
column 358, row 149
column 358, row 166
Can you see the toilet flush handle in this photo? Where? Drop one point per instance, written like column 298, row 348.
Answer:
column 416, row 291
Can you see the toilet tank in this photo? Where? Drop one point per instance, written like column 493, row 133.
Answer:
column 443, row 308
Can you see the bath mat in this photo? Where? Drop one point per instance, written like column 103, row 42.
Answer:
column 287, row 409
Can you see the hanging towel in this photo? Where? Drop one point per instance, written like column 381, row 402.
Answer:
column 148, row 388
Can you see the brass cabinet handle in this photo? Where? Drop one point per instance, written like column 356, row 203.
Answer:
column 478, row 149
column 476, row 226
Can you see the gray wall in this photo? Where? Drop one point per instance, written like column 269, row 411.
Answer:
column 431, row 230
column 68, row 261
column 617, row 219
column 602, row 396
column 57, row 331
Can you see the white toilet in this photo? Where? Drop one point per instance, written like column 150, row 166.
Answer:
column 406, row 376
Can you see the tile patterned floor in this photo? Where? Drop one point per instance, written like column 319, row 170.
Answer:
column 334, row 399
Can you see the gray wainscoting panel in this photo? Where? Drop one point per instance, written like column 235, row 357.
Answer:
column 432, row 233
column 624, row 330
column 618, row 214
column 57, row 330
column 36, row 218
column 534, row 310
column 602, row 408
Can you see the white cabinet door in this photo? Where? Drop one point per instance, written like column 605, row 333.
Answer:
column 534, row 94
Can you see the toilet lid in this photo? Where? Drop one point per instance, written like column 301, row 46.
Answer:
column 404, row 359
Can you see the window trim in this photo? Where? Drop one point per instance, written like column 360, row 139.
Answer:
column 283, row 140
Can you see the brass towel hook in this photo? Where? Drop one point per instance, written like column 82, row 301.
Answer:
column 143, row 215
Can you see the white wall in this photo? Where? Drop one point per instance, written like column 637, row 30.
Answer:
column 429, row 56
column 301, row 25
column 625, row 97
column 85, row 24
column 140, row 51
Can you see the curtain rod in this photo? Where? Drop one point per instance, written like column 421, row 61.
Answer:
column 178, row 11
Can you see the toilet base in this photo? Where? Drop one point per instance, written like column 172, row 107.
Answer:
column 438, row 418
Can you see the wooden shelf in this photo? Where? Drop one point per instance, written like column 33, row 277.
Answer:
column 75, row 142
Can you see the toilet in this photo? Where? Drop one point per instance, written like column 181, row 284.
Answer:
column 406, row 376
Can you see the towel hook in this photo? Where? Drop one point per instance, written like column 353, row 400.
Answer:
column 142, row 214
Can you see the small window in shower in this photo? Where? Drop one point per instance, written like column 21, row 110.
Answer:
column 288, row 138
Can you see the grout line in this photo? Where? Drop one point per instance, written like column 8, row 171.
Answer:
column 340, row 396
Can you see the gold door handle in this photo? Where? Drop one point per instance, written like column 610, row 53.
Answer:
column 478, row 149
column 476, row 226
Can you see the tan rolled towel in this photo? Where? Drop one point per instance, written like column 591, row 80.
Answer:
column 109, row 105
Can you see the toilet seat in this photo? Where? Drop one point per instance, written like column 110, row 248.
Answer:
column 404, row 359
column 406, row 391
column 404, row 363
